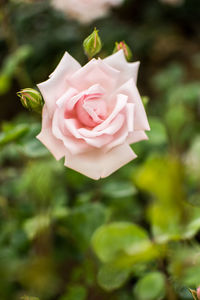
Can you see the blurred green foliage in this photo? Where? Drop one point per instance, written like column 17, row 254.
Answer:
column 134, row 235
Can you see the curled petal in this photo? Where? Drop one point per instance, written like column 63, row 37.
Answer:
column 120, row 104
column 140, row 117
column 74, row 145
column 95, row 89
column 118, row 139
column 111, row 129
column 97, row 142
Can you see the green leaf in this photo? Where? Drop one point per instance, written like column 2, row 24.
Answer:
column 34, row 226
column 84, row 220
column 12, row 133
column 75, row 292
column 12, row 61
column 157, row 135
column 119, row 239
column 110, row 277
column 151, row 287
column 169, row 77
column 184, row 264
column 33, row 148
column 30, row 146
column 193, row 225
column 118, row 189
column 185, row 93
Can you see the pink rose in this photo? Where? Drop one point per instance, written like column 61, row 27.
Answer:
column 85, row 10
column 92, row 113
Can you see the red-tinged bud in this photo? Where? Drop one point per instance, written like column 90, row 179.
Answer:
column 31, row 99
column 125, row 48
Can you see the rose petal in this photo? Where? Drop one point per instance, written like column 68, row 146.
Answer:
column 119, row 62
column 118, row 139
column 88, row 164
column 94, row 89
column 120, row 104
column 67, row 62
column 96, row 164
column 136, row 136
column 130, row 109
column 111, row 129
column 74, row 145
column 116, row 158
column 46, row 137
column 66, row 97
column 95, row 72
column 97, row 142
column 56, row 85
column 140, row 119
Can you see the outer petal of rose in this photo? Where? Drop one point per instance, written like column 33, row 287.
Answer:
column 96, row 164
column 119, row 62
column 67, row 62
column 140, row 118
column 55, row 86
column 55, row 146
column 136, row 136
column 95, row 72
column 116, row 158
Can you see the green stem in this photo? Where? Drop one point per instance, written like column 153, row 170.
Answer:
column 171, row 295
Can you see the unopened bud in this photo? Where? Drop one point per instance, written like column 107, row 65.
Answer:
column 92, row 44
column 125, row 48
column 31, row 99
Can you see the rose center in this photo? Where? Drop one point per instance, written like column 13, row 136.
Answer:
column 91, row 110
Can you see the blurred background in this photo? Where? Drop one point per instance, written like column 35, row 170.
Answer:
column 134, row 235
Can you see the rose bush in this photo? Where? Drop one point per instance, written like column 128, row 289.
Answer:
column 92, row 113
column 85, row 10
